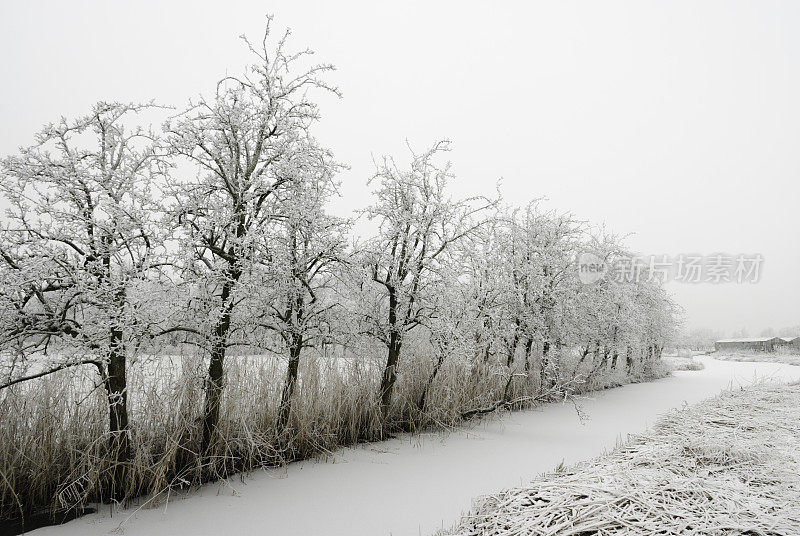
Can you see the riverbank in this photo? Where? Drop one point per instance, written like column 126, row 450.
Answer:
column 431, row 478
column 725, row 466
column 54, row 457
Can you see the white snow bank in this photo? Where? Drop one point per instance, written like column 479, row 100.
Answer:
column 724, row 466
column 416, row 485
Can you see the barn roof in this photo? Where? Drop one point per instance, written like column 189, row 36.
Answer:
column 751, row 339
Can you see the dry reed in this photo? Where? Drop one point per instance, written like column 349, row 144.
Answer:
column 53, row 431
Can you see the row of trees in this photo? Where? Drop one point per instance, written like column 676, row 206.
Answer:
column 213, row 233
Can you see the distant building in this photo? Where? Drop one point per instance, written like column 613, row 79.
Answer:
column 755, row 344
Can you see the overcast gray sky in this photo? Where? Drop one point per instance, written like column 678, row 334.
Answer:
column 677, row 121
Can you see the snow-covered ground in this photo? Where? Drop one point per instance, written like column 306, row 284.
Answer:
column 772, row 357
column 413, row 486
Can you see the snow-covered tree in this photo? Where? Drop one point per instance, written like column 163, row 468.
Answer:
column 416, row 224
column 247, row 142
column 305, row 247
column 541, row 261
column 80, row 243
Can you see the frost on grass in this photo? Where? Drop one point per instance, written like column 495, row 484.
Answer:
column 683, row 363
column 725, row 466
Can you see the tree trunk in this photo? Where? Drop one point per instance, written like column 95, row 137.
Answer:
column 585, row 353
column 289, row 385
column 543, row 364
column 214, row 382
column 117, row 394
column 436, row 367
column 512, row 349
column 114, row 378
column 389, row 374
column 393, row 355
column 528, row 353
column 295, row 310
column 629, row 359
column 482, row 340
column 600, row 363
column 615, row 349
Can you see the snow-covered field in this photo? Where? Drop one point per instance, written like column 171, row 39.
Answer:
column 416, row 485
column 772, row 357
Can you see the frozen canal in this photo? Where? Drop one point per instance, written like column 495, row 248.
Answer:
column 413, row 486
